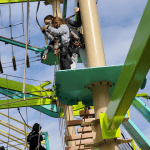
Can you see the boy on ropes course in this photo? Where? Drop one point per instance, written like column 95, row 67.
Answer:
column 60, row 36
column 35, row 137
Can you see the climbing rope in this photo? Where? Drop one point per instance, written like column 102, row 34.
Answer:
column 8, row 112
column 24, row 79
column 40, row 117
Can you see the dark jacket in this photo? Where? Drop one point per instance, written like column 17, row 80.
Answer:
column 34, row 138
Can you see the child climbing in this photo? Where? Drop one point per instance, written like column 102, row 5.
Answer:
column 59, row 31
column 35, row 137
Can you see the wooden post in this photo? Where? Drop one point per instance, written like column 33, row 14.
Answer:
column 70, row 130
column 96, row 58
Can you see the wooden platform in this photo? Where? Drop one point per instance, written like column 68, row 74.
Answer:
column 84, row 129
column 79, row 136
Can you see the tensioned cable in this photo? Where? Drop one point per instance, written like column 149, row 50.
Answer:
column 11, row 26
column 22, row 59
column 17, row 37
column 40, row 117
column 23, row 63
column 22, row 78
column 2, row 22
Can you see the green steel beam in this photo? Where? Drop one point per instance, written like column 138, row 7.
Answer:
column 19, row 102
column 23, row 45
column 134, row 71
column 137, row 135
column 64, row 8
column 142, row 108
column 15, row 1
column 144, row 95
column 50, row 110
column 17, row 86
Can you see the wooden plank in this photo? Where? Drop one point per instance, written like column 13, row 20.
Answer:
column 89, row 112
column 84, row 129
column 82, row 142
column 81, row 147
column 78, row 122
column 79, row 136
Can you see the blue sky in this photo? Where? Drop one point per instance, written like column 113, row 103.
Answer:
column 119, row 21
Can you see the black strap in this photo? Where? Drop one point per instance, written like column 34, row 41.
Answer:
column 37, row 12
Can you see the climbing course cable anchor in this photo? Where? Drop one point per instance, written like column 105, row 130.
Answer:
column 14, row 63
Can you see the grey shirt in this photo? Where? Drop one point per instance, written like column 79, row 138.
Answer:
column 63, row 31
column 49, row 36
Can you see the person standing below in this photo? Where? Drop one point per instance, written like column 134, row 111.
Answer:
column 35, row 137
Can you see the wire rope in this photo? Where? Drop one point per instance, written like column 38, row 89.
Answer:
column 11, row 26
column 2, row 22
column 22, row 78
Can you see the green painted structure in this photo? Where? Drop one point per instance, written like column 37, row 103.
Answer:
column 137, row 135
column 142, row 108
column 134, row 71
